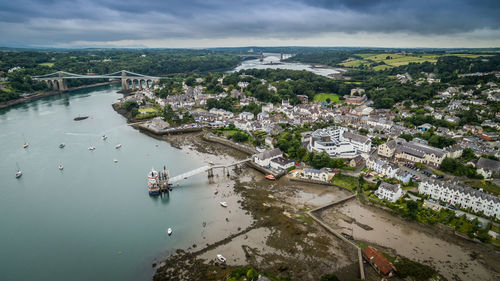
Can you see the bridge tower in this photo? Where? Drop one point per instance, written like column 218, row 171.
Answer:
column 124, row 80
column 62, row 83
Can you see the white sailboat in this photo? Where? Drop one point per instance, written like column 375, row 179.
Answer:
column 19, row 173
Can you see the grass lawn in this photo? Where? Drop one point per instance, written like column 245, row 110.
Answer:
column 49, row 64
column 486, row 186
column 147, row 110
column 348, row 182
column 323, row 97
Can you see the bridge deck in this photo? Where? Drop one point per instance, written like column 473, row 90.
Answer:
column 204, row 169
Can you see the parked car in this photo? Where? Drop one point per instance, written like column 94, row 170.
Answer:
column 368, row 175
column 452, row 207
column 440, row 177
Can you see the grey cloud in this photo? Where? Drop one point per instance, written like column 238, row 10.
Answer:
column 46, row 22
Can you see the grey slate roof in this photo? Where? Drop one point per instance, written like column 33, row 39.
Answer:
column 355, row 137
column 268, row 154
column 390, row 187
column 488, row 164
column 464, row 189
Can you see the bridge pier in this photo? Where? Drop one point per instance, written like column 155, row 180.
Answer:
column 210, row 173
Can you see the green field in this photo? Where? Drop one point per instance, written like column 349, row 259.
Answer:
column 49, row 64
column 323, row 97
column 390, row 60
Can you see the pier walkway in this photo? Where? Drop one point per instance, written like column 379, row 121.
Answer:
column 203, row 169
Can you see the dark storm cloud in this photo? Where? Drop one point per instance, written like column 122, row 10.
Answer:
column 57, row 22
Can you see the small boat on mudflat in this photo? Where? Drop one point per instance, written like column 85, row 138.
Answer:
column 216, row 191
column 270, row 177
column 221, row 258
column 223, row 204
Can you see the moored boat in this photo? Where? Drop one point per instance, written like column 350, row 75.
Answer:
column 19, row 173
column 270, row 177
column 104, row 137
column 223, row 203
column 216, row 191
column 26, row 144
column 169, row 231
column 153, row 182
column 60, row 167
column 118, row 146
column 91, row 147
column 62, row 145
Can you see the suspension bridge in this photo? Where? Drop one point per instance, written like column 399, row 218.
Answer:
column 130, row 80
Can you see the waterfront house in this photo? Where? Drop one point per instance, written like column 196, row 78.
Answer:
column 389, row 192
column 315, row 174
column 264, row 158
column 281, row 163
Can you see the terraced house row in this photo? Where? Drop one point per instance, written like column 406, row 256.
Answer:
column 463, row 196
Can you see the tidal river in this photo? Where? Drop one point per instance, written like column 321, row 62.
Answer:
column 93, row 220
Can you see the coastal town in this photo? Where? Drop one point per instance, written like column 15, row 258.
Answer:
column 337, row 167
column 401, row 163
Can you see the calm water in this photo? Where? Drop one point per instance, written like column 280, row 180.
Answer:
column 275, row 58
column 94, row 220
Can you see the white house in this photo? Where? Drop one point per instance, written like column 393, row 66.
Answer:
column 280, row 163
column 264, row 158
column 382, row 167
column 315, row 174
column 463, row 196
column 389, row 192
column 488, row 168
column 246, row 116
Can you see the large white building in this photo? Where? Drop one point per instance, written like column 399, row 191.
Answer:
column 463, row 196
column 338, row 142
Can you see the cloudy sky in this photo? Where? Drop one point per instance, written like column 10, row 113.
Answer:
column 215, row 23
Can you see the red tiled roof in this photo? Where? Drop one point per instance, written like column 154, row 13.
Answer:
column 378, row 260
